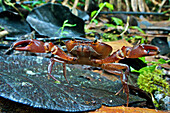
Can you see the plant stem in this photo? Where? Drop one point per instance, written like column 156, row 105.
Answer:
column 97, row 12
column 127, row 25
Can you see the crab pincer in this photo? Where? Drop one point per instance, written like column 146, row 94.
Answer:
column 91, row 53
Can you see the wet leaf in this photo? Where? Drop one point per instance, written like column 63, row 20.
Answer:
column 48, row 19
column 24, row 79
column 14, row 23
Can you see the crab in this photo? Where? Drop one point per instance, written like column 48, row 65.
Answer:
column 93, row 53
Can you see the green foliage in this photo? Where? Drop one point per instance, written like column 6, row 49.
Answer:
column 65, row 24
column 137, row 37
column 26, row 7
column 109, row 37
column 151, row 79
column 2, row 5
column 9, row 3
column 117, row 21
column 101, row 6
column 106, row 4
column 138, row 28
column 93, row 13
column 29, row 8
column 37, row 3
column 1, row 28
column 110, row 25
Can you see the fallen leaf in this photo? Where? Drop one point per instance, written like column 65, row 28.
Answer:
column 48, row 19
column 14, row 23
column 118, row 44
column 122, row 109
column 24, row 79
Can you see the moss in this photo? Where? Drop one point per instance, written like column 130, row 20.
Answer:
column 151, row 80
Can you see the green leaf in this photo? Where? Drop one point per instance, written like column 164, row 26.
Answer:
column 110, row 25
column 167, row 61
column 145, row 69
column 167, row 11
column 138, row 37
column 37, row 2
column 65, row 22
column 95, row 21
column 70, row 25
column 1, row 28
column 109, row 6
column 162, row 61
column 142, row 41
column 117, row 21
column 26, row 7
column 133, row 70
column 93, row 13
column 139, row 29
column 148, row 68
column 101, row 5
column 65, row 32
column 143, row 59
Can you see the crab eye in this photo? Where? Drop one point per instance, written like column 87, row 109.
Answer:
column 46, row 46
column 95, row 40
column 73, row 39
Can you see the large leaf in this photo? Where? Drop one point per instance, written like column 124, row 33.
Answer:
column 14, row 23
column 49, row 18
column 24, row 79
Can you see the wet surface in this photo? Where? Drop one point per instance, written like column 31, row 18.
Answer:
column 24, row 79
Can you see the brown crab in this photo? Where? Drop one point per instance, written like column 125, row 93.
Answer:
column 92, row 53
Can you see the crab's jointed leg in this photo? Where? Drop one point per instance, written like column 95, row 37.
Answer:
column 50, row 66
column 117, row 69
column 129, row 52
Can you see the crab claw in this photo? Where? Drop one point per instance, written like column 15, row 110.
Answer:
column 143, row 50
column 32, row 45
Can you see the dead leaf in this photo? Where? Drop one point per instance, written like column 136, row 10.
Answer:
column 122, row 109
column 119, row 44
column 48, row 19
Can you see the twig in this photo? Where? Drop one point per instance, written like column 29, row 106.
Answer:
column 127, row 25
column 160, row 6
column 87, row 3
column 127, row 5
column 75, row 3
column 131, row 13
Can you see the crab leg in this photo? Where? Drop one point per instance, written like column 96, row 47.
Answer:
column 37, row 46
column 129, row 52
column 50, row 66
column 116, row 68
